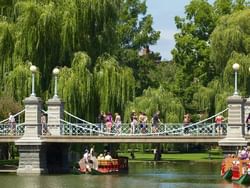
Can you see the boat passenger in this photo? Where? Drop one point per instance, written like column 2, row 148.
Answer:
column 86, row 156
column 95, row 162
column 239, row 153
column 244, row 154
column 82, row 165
column 91, row 152
column 100, row 157
column 108, row 157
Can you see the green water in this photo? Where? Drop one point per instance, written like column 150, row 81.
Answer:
column 140, row 175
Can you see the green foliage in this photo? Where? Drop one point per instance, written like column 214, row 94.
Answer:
column 243, row 72
column 6, row 48
column 223, row 7
column 231, row 34
column 95, row 43
column 171, row 109
column 75, row 86
column 8, row 104
column 203, row 99
column 135, row 27
column 114, row 84
column 18, row 82
column 192, row 47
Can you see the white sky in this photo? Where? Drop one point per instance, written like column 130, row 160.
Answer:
column 163, row 12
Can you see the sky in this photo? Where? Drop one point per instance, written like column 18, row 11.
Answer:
column 163, row 12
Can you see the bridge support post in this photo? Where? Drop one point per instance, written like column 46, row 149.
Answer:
column 235, row 129
column 32, row 150
column 55, row 113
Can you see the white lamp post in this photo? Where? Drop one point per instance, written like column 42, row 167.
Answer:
column 236, row 67
column 33, row 70
column 55, row 73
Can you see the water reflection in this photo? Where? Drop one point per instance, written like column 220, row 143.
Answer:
column 146, row 175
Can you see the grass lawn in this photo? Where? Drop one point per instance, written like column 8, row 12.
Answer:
column 176, row 157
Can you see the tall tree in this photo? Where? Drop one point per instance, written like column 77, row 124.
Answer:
column 75, row 86
column 192, row 47
column 114, row 84
column 135, row 26
column 135, row 32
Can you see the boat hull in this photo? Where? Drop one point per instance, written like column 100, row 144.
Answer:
column 228, row 175
column 244, row 179
column 236, row 170
column 113, row 166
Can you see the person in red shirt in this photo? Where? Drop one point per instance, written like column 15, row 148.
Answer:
column 218, row 124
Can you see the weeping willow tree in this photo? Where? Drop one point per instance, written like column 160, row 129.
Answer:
column 230, row 35
column 18, row 82
column 7, row 9
column 95, row 26
column 171, row 109
column 6, row 49
column 203, row 99
column 48, row 33
column 37, row 39
column 220, row 95
column 212, row 98
column 114, row 84
column 75, row 86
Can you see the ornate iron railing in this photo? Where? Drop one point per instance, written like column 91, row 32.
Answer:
column 16, row 129
column 125, row 129
column 203, row 127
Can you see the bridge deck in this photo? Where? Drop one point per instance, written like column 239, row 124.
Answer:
column 121, row 139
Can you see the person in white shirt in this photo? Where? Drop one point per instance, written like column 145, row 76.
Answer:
column 108, row 157
column 100, row 157
column 12, row 123
column 86, row 156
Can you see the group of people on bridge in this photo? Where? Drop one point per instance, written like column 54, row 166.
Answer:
column 138, row 122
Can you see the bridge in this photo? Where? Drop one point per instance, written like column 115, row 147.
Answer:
column 39, row 152
column 204, row 131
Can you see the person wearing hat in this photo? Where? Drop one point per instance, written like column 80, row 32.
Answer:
column 100, row 157
column 108, row 157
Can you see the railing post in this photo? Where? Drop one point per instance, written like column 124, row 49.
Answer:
column 91, row 131
column 70, row 129
column 197, row 132
column 213, row 129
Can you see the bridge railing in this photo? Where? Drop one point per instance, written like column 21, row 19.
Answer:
column 15, row 129
column 6, row 130
column 79, row 126
column 205, row 129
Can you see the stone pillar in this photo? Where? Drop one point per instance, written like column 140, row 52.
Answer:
column 55, row 113
column 32, row 150
column 235, row 129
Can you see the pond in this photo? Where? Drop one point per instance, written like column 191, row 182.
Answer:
column 141, row 175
